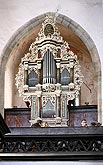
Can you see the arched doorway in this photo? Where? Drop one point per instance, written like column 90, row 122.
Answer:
column 18, row 45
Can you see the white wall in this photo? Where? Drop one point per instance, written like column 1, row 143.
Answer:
column 87, row 13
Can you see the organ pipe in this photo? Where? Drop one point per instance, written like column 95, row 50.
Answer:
column 49, row 68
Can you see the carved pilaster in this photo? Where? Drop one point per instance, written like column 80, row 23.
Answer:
column 39, row 104
column 58, row 72
column 34, row 108
column 26, row 77
column 58, row 106
column 26, row 73
column 71, row 74
column 77, row 100
column 58, row 94
column 39, row 108
column 39, row 71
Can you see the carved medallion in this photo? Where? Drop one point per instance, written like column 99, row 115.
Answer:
column 48, row 30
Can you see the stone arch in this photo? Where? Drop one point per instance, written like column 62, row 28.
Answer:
column 26, row 29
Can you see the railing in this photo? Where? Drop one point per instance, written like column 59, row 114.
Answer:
column 53, row 144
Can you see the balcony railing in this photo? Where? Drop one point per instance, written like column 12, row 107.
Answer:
column 62, row 143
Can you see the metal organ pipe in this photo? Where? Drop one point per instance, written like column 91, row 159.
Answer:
column 49, row 68
column 44, row 69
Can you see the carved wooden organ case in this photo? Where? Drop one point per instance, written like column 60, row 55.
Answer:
column 49, row 74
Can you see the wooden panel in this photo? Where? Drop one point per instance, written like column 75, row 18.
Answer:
column 78, row 113
column 17, row 117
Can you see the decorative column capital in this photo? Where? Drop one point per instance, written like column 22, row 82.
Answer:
column 26, row 66
column 39, row 94
column 39, row 65
column 38, row 87
column 58, row 94
column 58, row 65
column 25, row 87
column 58, row 89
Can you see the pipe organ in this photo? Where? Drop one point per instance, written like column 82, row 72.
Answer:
column 49, row 75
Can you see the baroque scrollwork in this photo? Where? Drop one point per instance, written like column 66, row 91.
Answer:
column 63, row 66
column 48, row 87
column 49, row 38
column 20, row 79
column 33, row 68
column 48, row 97
column 27, row 99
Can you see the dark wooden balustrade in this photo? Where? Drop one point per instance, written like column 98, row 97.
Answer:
column 53, row 143
column 63, row 143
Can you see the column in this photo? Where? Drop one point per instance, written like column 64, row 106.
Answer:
column 26, row 76
column 58, row 71
column 39, row 105
column 77, row 101
column 71, row 74
column 26, row 73
column 58, row 106
column 39, row 71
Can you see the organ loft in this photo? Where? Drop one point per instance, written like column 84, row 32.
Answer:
column 49, row 76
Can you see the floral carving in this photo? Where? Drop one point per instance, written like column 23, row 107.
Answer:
column 52, row 40
column 48, row 87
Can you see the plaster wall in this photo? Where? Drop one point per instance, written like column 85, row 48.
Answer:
column 88, row 14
